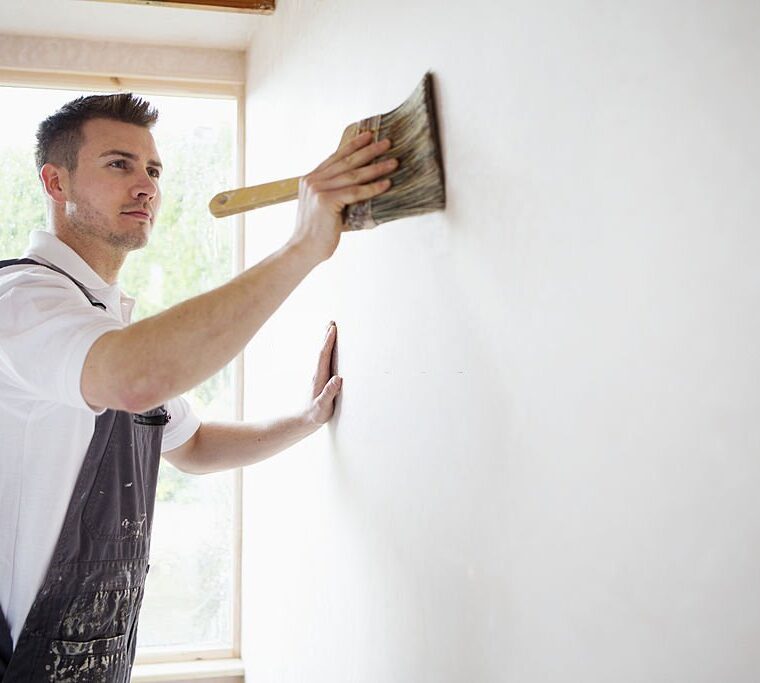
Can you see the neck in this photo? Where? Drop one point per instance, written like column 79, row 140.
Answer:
column 102, row 258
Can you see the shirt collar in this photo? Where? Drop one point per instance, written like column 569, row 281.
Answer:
column 45, row 246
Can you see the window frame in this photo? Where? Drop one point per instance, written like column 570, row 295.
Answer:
column 149, row 665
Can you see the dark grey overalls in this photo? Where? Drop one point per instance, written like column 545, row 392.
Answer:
column 83, row 623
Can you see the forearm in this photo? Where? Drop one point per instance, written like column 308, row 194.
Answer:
column 220, row 446
column 226, row 445
column 163, row 356
column 145, row 364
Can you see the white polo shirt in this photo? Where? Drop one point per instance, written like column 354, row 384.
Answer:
column 47, row 327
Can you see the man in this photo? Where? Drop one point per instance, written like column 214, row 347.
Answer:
column 88, row 401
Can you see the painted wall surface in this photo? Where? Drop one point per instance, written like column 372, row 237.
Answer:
column 544, row 465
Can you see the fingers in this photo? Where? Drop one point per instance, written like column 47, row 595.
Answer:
column 351, row 146
column 352, row 155
column 326, row 388
column 323, row 372
column 357, row 159
column 357, row 176
column 358, row 193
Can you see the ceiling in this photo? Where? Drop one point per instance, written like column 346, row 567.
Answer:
column 128, row 23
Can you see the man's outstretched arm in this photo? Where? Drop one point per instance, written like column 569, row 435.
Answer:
column 144, row 364
column 219, row 446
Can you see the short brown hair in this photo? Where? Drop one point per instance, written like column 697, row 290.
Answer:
column 59, row 136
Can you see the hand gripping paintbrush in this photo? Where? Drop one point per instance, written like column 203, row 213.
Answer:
column 417, row 184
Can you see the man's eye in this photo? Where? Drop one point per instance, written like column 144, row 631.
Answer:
column 119, row 163
column 154, row 173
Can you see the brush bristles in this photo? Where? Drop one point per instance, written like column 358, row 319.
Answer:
column 418, row 183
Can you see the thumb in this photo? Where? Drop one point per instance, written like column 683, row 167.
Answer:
column 333, row 387
column 330, row 390
column 324, row 403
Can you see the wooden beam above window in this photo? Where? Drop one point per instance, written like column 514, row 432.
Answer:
column 249, row 6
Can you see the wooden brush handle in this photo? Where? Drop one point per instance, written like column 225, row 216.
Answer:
column 248, row 198
column 254, row 197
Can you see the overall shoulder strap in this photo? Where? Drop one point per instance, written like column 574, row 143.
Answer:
column 6, row 645
column 32, row 262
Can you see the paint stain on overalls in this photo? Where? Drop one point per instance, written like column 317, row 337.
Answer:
column 82, row 626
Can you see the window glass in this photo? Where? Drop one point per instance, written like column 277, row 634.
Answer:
column 188, row 601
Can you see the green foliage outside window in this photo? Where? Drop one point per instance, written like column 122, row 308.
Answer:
column 21, row 203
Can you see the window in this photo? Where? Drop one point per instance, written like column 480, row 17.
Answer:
column 188, row 612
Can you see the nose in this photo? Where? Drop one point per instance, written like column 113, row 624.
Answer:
column 146, row 187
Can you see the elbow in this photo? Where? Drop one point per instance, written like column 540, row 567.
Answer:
column 116, row 376
column 184, row 466
column 140, row 396
column 130, row 394
column 196, row 469
column 188, row 457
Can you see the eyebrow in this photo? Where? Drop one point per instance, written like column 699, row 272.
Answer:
column 129, row 155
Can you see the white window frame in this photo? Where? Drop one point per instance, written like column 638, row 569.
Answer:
column 171, row 664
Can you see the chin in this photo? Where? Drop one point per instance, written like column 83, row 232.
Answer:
column 141, row 240
column 139, row 244
column 129, row 241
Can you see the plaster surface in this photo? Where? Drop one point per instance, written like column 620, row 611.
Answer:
column 544, row 464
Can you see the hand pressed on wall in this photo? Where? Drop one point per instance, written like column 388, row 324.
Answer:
column 325, row 385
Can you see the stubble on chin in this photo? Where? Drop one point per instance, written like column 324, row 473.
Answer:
column 89, row 224
column 127, row 241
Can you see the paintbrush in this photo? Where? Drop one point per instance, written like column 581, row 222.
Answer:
column 417, row 184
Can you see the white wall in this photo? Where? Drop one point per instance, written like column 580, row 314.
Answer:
column 544, row 465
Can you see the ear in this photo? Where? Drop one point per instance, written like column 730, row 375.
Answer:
column 55, row 180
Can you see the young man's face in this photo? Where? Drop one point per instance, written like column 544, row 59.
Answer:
column 114, row 193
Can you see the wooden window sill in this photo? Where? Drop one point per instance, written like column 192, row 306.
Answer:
column 198, row 670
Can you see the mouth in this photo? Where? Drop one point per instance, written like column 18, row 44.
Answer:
column 139, row 215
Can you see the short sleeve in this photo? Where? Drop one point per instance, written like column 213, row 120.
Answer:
column 183, row 424
column 47, row 327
